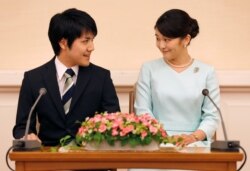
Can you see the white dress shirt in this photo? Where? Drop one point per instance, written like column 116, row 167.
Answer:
column 60, row 70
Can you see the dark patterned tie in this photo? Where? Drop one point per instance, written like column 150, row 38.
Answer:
column 68, row 90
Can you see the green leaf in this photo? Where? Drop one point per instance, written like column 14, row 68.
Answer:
column 147, row 140
column 53, row 149
column 79, row 140
column 64, row 141
column 133, row 142
column 124, row 141
column 110, row 139
column 98, row 138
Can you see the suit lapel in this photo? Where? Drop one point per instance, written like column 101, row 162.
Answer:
column 84, row 75
column 49, row 76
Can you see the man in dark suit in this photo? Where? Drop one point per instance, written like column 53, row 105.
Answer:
column 71, row 34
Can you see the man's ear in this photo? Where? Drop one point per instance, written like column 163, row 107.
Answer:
column 63, row 43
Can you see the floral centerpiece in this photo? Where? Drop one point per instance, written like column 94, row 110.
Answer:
column 128, row 129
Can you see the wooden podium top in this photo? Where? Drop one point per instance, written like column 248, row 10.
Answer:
column 188, row 158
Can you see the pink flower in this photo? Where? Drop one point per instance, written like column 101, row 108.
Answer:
column 127, row 129
column 115, row 132
column 81, row 130
column 131, row 117
column 111, row 117
column 117, row 122
column 143, row 134
column 102, row 128
column 153, row 129
column 122, row 134
column 163, row 134
column 115, row 126
column 97, row 118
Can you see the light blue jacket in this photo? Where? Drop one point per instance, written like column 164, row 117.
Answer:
column 176, row 100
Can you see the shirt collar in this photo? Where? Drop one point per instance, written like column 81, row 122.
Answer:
column 61, row 68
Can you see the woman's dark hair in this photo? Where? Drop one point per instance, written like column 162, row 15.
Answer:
column 69, row 25
column 177, row 23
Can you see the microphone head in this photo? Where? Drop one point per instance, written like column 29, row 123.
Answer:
column 205, row 92
column 42, row 91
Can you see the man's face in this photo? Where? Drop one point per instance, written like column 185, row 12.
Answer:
column 80, row 51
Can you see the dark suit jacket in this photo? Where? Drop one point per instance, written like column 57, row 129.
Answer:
column 94, row 92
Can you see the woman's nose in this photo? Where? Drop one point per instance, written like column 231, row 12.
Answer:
column 162, row 44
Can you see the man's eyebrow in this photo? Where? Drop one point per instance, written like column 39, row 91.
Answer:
column 88, row 37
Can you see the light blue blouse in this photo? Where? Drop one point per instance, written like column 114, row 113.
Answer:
column 176, row 100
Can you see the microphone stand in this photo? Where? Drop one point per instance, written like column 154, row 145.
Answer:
column 25, row 144
column 222, row 145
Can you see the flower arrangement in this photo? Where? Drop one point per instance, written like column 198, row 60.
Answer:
column 127, row 128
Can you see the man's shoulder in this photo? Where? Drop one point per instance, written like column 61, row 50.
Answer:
column 41, row 68
column 98, row 68
column 96, row 71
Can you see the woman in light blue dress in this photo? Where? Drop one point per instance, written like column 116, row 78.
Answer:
column 170, row 88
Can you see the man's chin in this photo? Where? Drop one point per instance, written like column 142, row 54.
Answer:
column 84, row 64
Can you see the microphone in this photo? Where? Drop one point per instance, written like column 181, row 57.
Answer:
column 25, row 144
column 226, row 146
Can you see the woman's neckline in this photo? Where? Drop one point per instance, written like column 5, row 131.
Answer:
column 180, row 66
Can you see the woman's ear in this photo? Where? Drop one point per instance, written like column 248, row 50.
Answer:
column 186, row 40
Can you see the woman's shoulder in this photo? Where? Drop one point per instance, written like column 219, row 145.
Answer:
column 203, row 65
column 155, row 63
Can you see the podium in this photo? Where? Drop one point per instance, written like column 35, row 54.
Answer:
column 193, row 158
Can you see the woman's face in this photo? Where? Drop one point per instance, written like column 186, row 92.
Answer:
column 171, row 48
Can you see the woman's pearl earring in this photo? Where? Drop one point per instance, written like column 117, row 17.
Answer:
column 185, row 45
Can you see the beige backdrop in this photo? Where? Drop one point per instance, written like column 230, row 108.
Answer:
column 126, row 35
column 126, row 40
